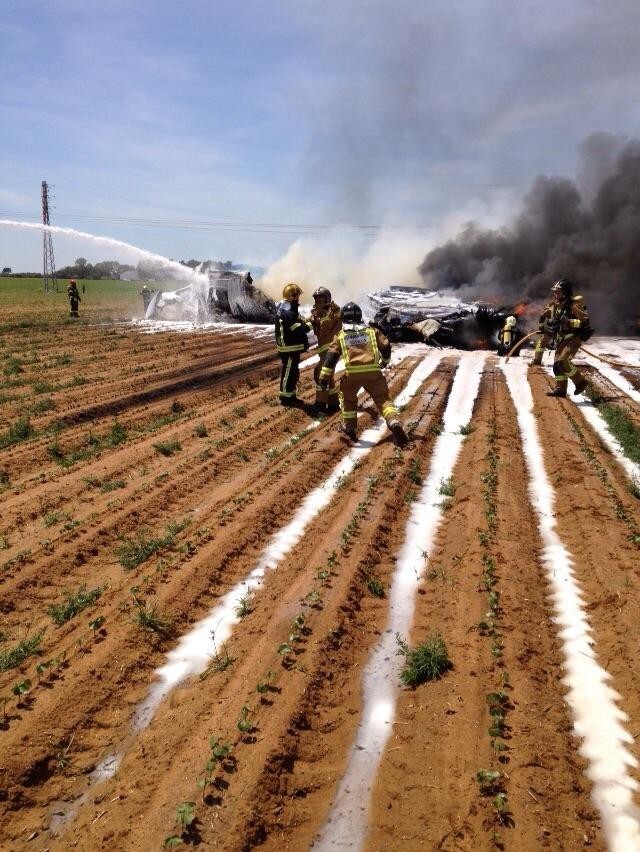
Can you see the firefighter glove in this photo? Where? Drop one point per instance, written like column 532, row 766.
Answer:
column 552, row 326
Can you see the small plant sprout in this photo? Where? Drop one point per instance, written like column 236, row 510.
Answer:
column 375, row 587
column 298, row 622
column 243, row 608
column 96, row 624
column 21, row 688
column 42, row 667
column 285, row 649
column 185, row 814
column 428, row 661
column 488, row 780
column 323, row 575
column 243, row 724
column 263, row 685
column 218, row 752
column 501, row 805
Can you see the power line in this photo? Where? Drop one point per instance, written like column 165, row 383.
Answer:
column 225, row 224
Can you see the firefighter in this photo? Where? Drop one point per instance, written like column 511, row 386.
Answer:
column 327, row 322
column 147, row 295
column 74, row 297
column 291, row 341
column 564, row 323
column 365, row 351
column 508, row 335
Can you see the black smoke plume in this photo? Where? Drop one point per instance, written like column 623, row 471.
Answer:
column 589, row 234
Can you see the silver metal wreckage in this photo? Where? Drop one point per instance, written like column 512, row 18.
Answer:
column 442, row 322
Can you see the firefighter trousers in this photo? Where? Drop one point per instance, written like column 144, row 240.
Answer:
column 289, row 374
column 563, row 366
column 376, row 386
column 324, row 396
column 542, row 343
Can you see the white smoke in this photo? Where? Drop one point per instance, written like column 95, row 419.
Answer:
column 349, row 270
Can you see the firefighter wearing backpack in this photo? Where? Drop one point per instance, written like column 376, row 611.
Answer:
column 508, row 335
column 565, row 323
column 291, row 341
column 365, row 351
column 327, row 322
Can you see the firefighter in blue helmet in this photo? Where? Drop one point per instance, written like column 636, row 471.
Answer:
column 291, row 341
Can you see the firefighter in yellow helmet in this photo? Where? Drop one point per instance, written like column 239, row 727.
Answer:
column 327, row 322
column 564, row 323
column 291, row 341
column 508, row 335
column 365, row 351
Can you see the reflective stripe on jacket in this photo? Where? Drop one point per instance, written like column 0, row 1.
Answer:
column 363, row 350
column 291, row 329
column 574, row 311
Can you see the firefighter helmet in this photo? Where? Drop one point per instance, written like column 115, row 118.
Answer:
column 291, row 292
column 72, row 281
column 563, row 286
column 351, row 312
column 322, row 295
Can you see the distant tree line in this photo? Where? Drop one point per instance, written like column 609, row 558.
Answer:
column 104, row 269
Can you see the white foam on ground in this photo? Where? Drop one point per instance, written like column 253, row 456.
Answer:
column 598, row 721
column 347, row 823
column 597, row 422
column 615, row 377
column 192, row 653
column 625, row 349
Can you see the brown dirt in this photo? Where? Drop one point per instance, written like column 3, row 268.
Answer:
column 61, row 527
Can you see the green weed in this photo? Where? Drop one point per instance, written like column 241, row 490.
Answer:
column 14, row 657
column 74, row 603
column 429, row 661
column 168, row 448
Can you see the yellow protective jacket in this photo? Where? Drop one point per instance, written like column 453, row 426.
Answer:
column 572, row 315
column 363, row 350
column 326, row 325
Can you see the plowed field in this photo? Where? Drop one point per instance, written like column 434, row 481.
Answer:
column 152, row 481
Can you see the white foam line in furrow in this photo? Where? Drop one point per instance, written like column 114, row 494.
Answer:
column 191, row 654
column 346, row 824
column 615, row 377
column 598, row 720
column 597, row 422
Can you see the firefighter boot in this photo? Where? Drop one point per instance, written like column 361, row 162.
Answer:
column 333, row 407
column 347, row 433
column 399, row 435
column 580, row 384
column 561, row 393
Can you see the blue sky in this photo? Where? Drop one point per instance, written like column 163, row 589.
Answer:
column 305, row 113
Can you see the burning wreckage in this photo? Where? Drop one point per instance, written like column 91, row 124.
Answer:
column 414, row 316
column 402, row 314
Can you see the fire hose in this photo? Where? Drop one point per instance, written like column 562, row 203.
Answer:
column 584, row 348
